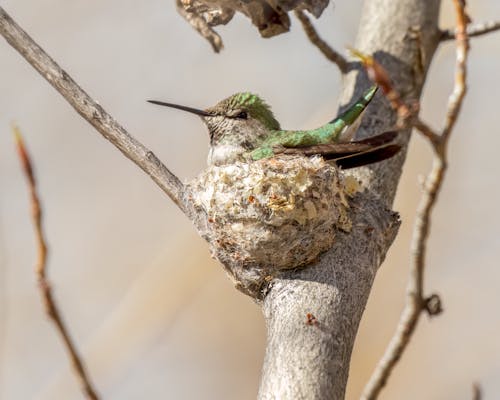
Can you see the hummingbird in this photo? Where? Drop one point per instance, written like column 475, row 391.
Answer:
column 243, row 128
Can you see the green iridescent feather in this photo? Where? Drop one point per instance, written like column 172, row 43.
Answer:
column 256, row 107
column 328, row 133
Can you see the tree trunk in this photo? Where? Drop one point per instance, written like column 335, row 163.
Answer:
column 312, row 315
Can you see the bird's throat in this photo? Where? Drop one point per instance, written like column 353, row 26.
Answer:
column 226, row 154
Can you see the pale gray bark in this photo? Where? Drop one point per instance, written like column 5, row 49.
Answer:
column 311, row 361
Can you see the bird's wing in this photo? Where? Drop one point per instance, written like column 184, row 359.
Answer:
column 350, row 154
column 367, row 157
column 343, row 148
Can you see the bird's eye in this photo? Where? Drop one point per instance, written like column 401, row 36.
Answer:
column 238, row 114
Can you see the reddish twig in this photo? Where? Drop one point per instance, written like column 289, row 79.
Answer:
column 41, row 271
column 316, row 40
column 473, row 30
column 379, row 75
column 416, row 301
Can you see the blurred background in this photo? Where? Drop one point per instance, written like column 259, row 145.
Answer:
column 153, row 315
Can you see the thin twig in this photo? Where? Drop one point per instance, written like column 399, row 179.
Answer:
column 426, row 131
column 416, row 303
column 201, row 25
column 473, row 30
column 456, row 99
column 90, row 110
column 49, row 303
column 324, row 47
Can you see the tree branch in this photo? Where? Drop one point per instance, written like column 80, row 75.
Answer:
column 416, row 302
column 48, row 300
column 426, row 131
column 202, row 26
column 316, row 40
column 473, row 30
column 91, row 111
column 312, row 361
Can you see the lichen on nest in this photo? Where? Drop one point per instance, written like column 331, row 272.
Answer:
column 276, row 213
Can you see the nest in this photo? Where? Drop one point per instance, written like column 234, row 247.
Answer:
column 275, row 214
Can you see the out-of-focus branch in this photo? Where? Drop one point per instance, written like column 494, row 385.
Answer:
column 201, row 25
column 49, row 303
column 90, row 110
column 473, row 30
column 476, row 392
column 270, row 17
column 316, row 40
column 416, row 301
column 456, row 99
column 426, row 131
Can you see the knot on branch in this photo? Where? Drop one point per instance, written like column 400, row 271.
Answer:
column 433, row 305
column 270, row 215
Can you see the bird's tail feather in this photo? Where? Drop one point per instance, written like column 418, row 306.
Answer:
column 351, row 154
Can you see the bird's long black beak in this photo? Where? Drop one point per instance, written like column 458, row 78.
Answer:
column 192, row 110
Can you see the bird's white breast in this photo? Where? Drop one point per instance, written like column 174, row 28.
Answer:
column 225, row 153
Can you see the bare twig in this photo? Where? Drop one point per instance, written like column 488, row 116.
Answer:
column 324, row 47
column 416, row 302
column 473, row 30
column 199, row 23
column 456, row 99
column 90, row 110
column 426, row 131
column 41, row 272
column 377, row 74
